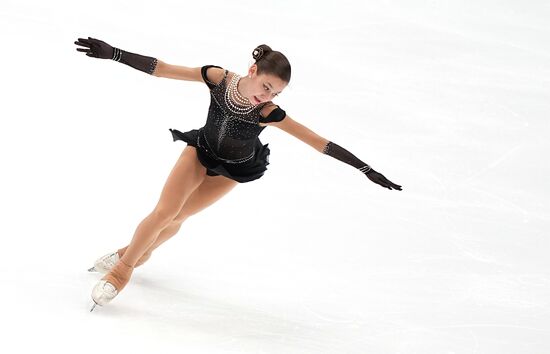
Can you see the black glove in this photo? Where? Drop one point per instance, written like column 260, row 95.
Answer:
column 339, row 153
column 99, row 49
column 379, row 178
column 95, row 48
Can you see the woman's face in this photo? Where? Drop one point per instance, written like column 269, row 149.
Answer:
column 263, row 87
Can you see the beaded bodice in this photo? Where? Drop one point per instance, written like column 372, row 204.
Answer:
column 231, row 128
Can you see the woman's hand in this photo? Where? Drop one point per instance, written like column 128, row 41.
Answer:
column 95, row 48
column 378, row 178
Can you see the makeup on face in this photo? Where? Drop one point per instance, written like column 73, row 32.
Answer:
column 268, row 91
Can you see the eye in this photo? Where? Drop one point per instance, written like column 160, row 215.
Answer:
column 268, row 89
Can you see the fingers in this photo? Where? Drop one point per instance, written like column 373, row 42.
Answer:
column 393, row 185
column 384, row 182
column 83, row 42
column 86, row 44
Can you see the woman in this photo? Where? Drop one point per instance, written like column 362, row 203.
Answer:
column 224, row 152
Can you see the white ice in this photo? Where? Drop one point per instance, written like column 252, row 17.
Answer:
column 450, row 99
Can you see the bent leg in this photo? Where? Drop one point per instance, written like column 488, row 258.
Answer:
column 165, row 234
column 209, row 191
column 212, row 189
column 185, row 177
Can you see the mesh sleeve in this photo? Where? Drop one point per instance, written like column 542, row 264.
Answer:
column 275, row 114
column 208, row 83
column 339, row 153
column 136, row 61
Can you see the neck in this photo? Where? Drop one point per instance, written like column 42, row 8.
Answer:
column 242, row 86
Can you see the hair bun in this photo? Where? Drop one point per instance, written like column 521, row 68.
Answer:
column 260, row 51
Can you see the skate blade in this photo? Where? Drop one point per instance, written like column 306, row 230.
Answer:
column 93, row 306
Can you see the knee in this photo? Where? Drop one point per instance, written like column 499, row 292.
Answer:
column 163, row 217
column 180, row 218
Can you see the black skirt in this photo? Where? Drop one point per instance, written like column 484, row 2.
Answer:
column 240, row 172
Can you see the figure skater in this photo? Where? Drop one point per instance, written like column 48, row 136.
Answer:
column 224, row 152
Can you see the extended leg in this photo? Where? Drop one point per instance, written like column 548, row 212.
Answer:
column 185, row 177
column 212, row 189
column 107, row 261
column 164, row 235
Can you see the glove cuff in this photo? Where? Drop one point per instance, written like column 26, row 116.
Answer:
column 136, row 61
column 365, row 169
column 117, row 54
column 339, row 153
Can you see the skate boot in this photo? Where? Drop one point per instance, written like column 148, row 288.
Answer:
column 104, row 264
column 111, row 284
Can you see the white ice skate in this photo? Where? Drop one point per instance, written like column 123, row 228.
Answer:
column 105, row 263
column 102, row 293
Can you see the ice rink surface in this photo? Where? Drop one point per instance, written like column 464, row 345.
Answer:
column 449, row 99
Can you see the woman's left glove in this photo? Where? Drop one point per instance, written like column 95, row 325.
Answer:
column 379, row 178
column 339, row 153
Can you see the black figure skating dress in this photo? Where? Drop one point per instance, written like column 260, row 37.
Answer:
column 228, row 144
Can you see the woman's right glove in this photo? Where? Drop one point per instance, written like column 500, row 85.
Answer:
column 96, row 48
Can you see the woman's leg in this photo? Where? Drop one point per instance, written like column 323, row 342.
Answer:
column 209, row 191
column 212, row 189
column 165, row 234
column 185, row 177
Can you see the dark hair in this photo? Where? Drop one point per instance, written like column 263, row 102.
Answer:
column 271, row 62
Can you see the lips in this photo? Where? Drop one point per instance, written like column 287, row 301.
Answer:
column 256, row 99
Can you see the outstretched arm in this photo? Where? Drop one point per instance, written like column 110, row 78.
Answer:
column 96, row 48
column 332, row 149
column 177, row 72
